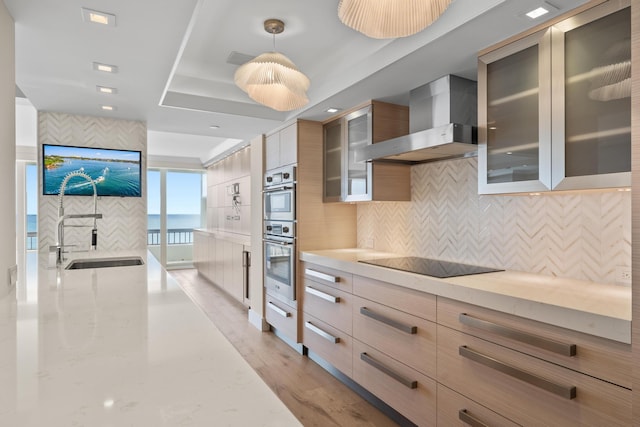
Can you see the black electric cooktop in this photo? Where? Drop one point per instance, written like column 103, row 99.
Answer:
column 430, row 267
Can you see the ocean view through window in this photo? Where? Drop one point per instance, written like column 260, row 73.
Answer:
column 185, row 200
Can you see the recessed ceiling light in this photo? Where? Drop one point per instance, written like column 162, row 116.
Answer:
column 106, row 68
column 332, row 110
column 214, row 127
column 107, row 90
column 537, row 12
column 108, row 108
column 96, row 17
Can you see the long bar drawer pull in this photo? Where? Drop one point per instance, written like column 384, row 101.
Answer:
column 568, row 392
column 558, row 347
column 379, row 366
column 278, row 310
column 393, row 323
column 469, row 419
column 320, row 294
column 323, row 276
column 322, row 333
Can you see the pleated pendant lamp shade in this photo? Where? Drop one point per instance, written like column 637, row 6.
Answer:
column 385, row 19
column 272, row 79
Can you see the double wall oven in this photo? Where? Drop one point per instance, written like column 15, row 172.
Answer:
column 279, row 231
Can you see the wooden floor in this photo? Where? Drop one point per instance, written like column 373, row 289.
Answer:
column 314, row 396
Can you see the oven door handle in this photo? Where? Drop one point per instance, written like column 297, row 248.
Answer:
column 278, row 242
column 278, row 188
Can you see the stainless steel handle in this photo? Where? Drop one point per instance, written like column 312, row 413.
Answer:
column 558, row 347
column 277, row 188
column 319, row 275
column 278, row 310
column 320, row 294
column 382, row 368
column 568, row 392
column 469, row 419
column 390, row 322
column 322, row 333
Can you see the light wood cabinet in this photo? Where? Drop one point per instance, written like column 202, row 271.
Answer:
column 328, row 342
column 526, row 389
column 222, row 262
column 404, row 389
column 400, row 335
column 282, row 317
column 601, row 358
column 346, row 180
column 554, row 115
column 281, row 147
column 455, row 410
column 488, row 367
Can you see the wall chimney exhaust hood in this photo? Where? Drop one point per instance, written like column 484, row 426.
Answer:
column 442, row 124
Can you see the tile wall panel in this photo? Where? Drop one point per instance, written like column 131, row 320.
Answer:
column 585, row 235
column 124, row 222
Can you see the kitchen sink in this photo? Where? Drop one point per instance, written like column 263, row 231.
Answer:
column 104, row 262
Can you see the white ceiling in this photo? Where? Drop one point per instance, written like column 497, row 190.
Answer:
column 173, row 69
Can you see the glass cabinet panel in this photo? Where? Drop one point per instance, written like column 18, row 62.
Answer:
column 358, row 180
column 595, row 49
column 333, row 161
column 514, row 116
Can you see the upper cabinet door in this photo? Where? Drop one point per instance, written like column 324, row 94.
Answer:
column 333, row 161
column 357, row 185
column 592, row 99
column 514, row 117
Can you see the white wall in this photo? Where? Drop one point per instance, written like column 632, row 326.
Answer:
column 7, row 147
column 124, row 222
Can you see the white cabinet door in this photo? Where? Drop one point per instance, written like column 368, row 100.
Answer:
column 289, row 145
column 272, row 151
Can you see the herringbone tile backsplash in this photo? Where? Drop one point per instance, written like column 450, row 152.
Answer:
column 124, row 222
column 584, row 235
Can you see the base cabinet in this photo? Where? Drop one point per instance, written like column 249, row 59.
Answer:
column 222, row 262
column 455, row 410
column 525, row 389
column 442, row 362
column 401, row 387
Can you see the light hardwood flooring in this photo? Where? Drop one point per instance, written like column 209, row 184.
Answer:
column 314, row 396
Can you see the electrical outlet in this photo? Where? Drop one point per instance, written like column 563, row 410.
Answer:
column 369, row 243
column 623, row 275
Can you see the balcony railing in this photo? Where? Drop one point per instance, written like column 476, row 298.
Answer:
column 175, row 236
column 32, row 240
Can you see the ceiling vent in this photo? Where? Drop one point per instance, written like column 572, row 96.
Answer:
column 238, row 58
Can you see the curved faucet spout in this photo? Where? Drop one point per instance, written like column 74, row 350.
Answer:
column 61, row 216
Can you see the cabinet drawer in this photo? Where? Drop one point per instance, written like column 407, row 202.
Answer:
column 282, row 317
column 525, row 389
column 599, row 357
column 327, row 276
column 328, row 304
column 404, row 389
column 331, row 344
column 456, row 410
column 407, row 338
column 419, row 304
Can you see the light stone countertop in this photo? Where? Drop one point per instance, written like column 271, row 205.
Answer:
column 602, row 310
column 121, row 346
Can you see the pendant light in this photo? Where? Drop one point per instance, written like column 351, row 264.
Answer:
column 386, row 19
column 271, row 78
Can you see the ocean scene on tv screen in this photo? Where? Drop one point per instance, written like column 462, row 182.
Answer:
column 114, row 172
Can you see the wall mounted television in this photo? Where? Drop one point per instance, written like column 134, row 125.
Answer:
column 114, row 172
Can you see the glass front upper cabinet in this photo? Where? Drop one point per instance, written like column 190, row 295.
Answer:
column 555, row 107
column 592, row 99
column 514, row 147
column 346, row 180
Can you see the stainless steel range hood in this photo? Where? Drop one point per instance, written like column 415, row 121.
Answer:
column 442, row 124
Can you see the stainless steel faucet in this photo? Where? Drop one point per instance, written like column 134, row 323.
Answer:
column 59, row 246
